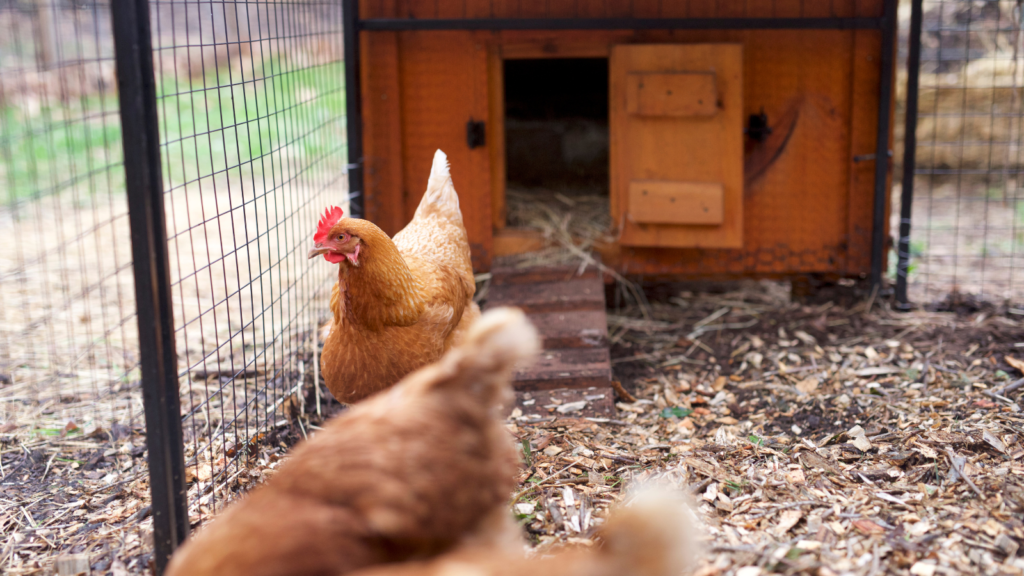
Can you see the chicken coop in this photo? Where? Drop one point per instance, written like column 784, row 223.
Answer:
column 697, row 138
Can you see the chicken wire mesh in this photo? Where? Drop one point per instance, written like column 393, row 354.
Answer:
column 251, row 105
column 967, row 233
column 251, row 102
column 67, row 333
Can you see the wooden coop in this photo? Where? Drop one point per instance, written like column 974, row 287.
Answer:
column 740, row 135
column 729, row 138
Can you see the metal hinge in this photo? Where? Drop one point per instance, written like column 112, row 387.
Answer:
column 866, row 157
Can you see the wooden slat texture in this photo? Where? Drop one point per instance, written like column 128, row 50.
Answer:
column 583, row 294
column 569, row 313
column 734, row 8
column 676, row 9
column 451, row 8
column 844, row 8
column 496, row 136
column 788, row 8
column 445, row 84
column 576, row 329
column 646, row 8
column 533, row 8
column 417, row 8
column 479, row 9
column 378, row 8
column 760, row 8
column 382, row 131
column 542, row 274
column 598, row 402
column 864, row 122
column 818, row 9
column 671, row 94
column 503, row 8
column 703, row 8
column 869, row 8
column 592, row 8
column 566, row 368
column 676, row 202
column 618, row 8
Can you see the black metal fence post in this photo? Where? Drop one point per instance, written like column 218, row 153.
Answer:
column 353, row 108
column 143, row 181
column 909, row 153
column 888, row 55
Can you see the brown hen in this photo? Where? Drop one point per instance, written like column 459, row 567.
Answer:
column 406, row 474
column 398, row 304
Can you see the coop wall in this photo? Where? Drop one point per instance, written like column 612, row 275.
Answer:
column 807, row 211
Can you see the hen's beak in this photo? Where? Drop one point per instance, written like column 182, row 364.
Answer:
column 317, row 250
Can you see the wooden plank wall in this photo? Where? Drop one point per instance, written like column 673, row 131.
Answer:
column 444, row 85
column 617, row 8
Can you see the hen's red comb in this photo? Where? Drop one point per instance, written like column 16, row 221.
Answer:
column 328, row 220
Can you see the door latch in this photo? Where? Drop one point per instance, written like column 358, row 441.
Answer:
column 757, row 127
column 475, row 134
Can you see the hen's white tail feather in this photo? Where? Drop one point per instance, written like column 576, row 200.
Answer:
column 440, row 188
column 482, row 365
column 503, row 337
column 656, row 535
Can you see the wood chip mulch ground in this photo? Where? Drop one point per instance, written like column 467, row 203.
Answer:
column 815, row 438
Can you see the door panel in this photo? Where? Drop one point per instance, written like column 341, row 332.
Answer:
column 655, row 202
column 677, row 132
column 675, row 94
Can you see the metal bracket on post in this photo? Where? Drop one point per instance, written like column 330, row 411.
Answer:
column 909, row 154
column 144, row 185
column 882, row 143
column 353, row 108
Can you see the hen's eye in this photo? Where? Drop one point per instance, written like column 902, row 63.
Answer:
column 341, row 237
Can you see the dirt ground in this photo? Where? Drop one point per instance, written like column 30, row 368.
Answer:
column 817, row 438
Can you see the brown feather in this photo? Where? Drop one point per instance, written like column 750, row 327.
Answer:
column 406, row 302
column 404, row 475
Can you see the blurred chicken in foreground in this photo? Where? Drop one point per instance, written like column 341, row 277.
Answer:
column 407, row 474
column 655, row 536
column 398, row 304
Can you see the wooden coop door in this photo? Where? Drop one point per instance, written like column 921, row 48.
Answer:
column 677, row 145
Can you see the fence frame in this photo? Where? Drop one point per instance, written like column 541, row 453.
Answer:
column 353, row 106
column 909, row 153
column 140, row 128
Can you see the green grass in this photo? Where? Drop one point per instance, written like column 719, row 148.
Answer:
column 41, row 149
column 280, row 123
column 296, row 114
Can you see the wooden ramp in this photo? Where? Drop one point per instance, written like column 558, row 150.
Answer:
column 572, row 376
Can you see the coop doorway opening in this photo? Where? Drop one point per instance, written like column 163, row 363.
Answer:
column 557, row 146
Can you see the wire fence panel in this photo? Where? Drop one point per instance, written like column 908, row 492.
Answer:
column 251, row 102
column 66, row 292
column 967, row 235
column 69, row 391
column 252, row 134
